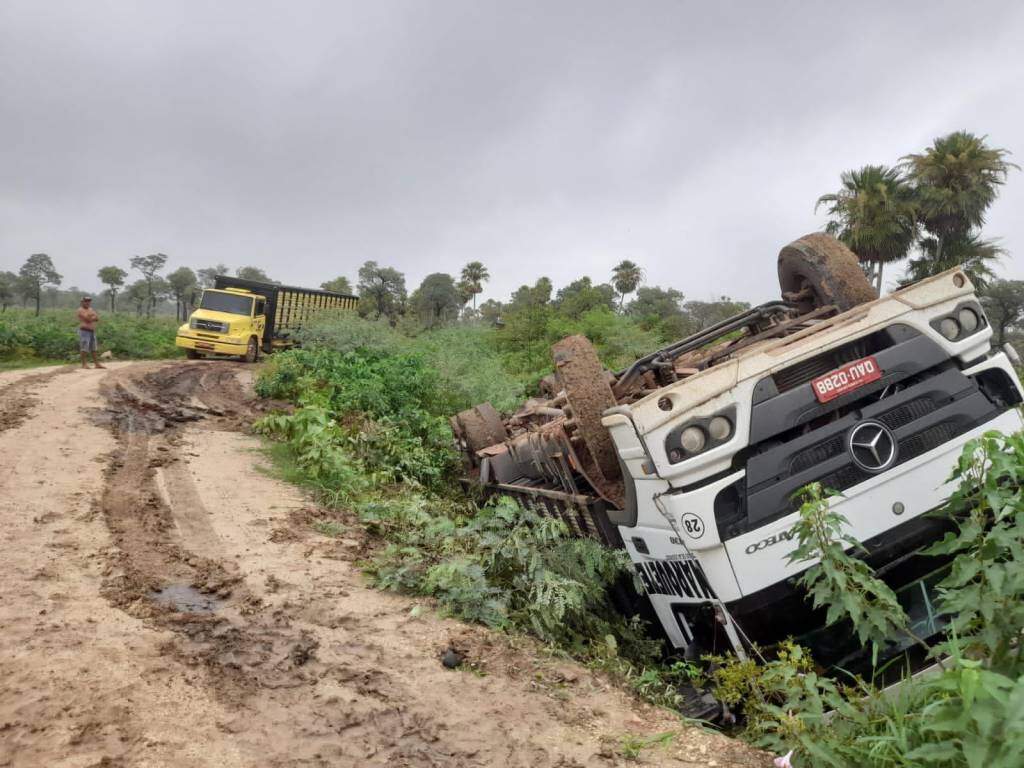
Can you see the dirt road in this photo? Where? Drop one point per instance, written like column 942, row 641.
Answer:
column 164, row 602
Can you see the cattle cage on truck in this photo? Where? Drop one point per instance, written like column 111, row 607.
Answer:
column 287, row 307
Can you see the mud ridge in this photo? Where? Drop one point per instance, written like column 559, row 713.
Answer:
column 253, row 659
column 240, row 649
column 18, row 400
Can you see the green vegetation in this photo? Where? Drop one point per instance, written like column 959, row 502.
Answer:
column 632, row 746
column 52, row 336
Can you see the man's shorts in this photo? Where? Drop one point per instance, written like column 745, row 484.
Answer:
column 86, row 340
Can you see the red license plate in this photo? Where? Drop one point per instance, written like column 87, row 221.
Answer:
column 846, row 379
column 201, row 345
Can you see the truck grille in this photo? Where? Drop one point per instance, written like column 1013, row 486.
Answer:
column 802, row 372
column 908, row 449
column 928, row 409
column 209, row 325
column 898, row 417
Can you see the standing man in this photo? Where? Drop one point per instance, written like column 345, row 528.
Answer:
column 87, row 320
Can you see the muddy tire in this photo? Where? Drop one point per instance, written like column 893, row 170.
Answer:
column 191, row 354
column 818, row 270
column 585, row 382
column 548, row 386
column 480, row 427
column 252, row 351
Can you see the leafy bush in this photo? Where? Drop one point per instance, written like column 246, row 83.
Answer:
column 345, row 331
column 503, row 565
column 526, row 339
column 847, row 585
column 984, row 588
column 463, row 357
column 371, row 409
column 470, row 368
column 53, row 335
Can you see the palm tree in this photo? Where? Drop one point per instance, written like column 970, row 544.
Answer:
column 874, row 215
column 626, row 277
column 474, row 275
column 956, row 180
column 969, row 252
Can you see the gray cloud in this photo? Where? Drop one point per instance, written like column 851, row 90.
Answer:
column 540, row 138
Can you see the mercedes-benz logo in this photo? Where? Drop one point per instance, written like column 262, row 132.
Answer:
column 872, row 446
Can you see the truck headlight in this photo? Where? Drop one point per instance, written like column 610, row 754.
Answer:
column 701, row 434
column 949, row 328
column 966, row 319
column 693, row 439
column 720, row 428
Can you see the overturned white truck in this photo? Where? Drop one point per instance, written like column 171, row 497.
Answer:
column 689, row 458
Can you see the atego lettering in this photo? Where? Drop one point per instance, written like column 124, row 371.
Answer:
column 770, row 541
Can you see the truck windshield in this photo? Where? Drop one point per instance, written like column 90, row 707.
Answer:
column 226, row 302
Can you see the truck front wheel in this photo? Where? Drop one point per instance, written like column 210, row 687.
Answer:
column 252, row 352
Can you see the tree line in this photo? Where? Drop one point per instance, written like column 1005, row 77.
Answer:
column 929, row 209
column 38, row 279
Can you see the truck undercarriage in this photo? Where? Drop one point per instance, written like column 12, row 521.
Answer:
column 689, row 458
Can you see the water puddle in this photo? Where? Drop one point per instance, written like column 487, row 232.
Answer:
column 182, row 597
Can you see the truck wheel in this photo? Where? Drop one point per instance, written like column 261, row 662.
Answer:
column 479, row 427
column 818, row 270
column 252, row 352
column 583, row 378
column 191, row 354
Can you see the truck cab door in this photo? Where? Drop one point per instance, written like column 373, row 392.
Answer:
column 259, row 320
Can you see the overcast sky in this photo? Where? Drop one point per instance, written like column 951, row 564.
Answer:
column 552, row 138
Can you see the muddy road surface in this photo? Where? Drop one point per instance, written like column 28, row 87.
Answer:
column 166, row 602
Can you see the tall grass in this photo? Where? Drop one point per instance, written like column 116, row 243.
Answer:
column 53, row 336
column 465, row 358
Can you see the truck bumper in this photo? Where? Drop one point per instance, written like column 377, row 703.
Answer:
column 209, row 346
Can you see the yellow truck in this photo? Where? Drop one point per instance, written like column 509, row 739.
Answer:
column 241, row 318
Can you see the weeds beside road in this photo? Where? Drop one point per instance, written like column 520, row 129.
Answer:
column 52, row 337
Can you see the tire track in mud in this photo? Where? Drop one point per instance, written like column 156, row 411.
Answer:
column 18, row 400
column 258, row 661
column 152, row 556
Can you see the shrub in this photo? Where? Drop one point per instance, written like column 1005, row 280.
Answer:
column 470, row 368
column 53, row 335
column 376, row 408
column 463, row 357
column 345, row 331
column 526, row 340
